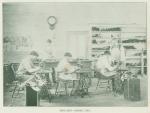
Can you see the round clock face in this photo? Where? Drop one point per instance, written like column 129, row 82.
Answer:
column 52, row 20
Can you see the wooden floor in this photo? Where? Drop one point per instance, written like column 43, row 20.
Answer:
column 96, row 98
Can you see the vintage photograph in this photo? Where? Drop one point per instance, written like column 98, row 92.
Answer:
column 75, row 54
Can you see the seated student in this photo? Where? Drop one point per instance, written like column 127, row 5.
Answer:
column 27, row 67
column 66, row 69
column 104, row 65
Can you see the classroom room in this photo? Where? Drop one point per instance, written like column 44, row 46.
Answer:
column 75, row 54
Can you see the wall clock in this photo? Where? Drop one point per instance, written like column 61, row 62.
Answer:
column 52, row 22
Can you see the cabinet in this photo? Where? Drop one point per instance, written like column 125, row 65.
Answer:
column 132, row 89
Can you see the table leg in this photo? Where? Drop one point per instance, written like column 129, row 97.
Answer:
column 66, row 88
column 57, row 85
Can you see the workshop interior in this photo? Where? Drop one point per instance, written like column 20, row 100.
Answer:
column 75, row 54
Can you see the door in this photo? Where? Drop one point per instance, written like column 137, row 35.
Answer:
column 77, row 43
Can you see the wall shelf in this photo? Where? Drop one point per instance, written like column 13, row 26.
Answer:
column 126, row 33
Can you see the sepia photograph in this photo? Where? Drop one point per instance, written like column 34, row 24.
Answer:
column 75, row 54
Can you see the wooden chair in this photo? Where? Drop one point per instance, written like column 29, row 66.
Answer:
column 64, row 82
column 9, row 75
column 103, row 81
column 16, row 82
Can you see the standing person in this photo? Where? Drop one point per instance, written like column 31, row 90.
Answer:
column 48, row 50
column 47, row 54
column 117, row 53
